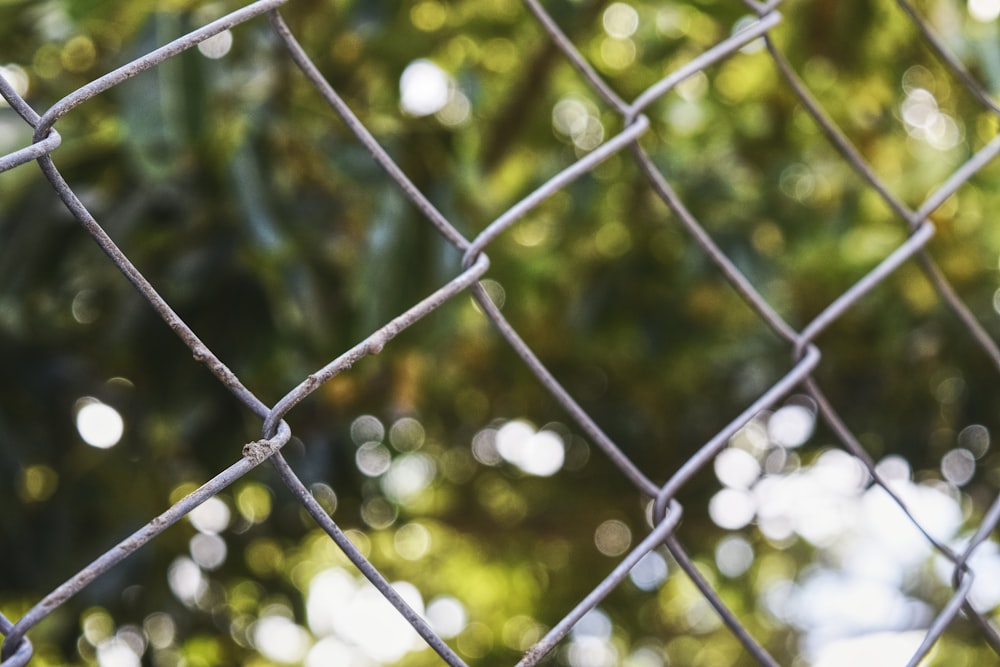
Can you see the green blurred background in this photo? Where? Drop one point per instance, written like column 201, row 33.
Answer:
column 249, row 206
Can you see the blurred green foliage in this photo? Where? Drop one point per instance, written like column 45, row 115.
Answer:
column 259, row 218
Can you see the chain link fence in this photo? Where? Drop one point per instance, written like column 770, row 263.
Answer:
column 633, row 142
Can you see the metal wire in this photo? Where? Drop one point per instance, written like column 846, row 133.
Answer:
column 805, row 353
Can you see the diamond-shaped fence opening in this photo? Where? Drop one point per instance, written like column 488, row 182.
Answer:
column 738, row 284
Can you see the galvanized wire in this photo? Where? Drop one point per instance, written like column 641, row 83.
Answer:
column 804, row 351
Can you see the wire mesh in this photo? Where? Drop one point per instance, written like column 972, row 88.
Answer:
column 805, row 354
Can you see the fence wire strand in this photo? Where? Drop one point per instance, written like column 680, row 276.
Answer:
column 804, row 351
